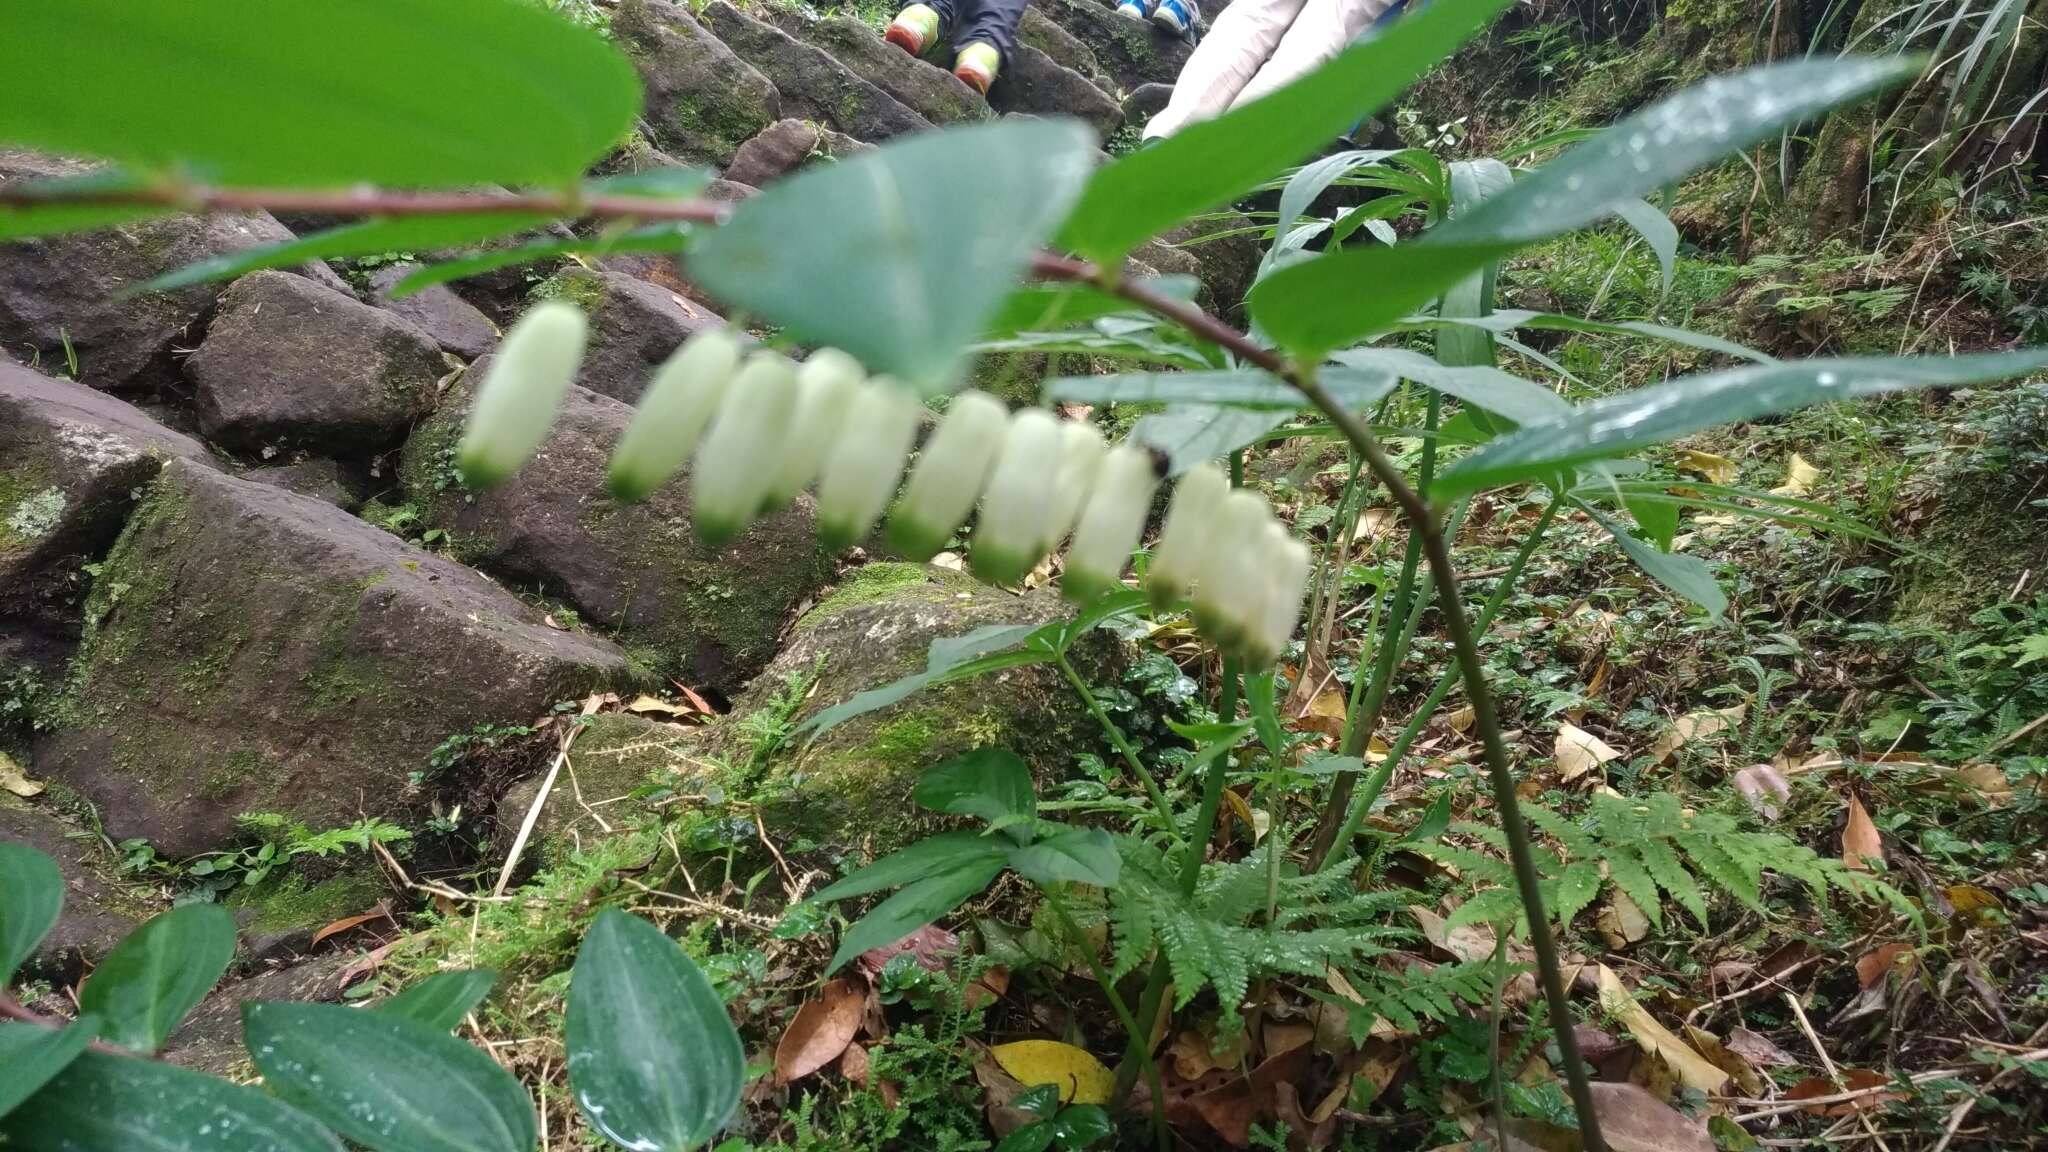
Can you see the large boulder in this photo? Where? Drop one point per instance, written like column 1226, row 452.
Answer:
column 287, row 362
column 1034, row 82
column 452, row 322
column 923, row 87
column 785, row 146
column 813, row 85
column 851, row 785
column 634, row 325
column 702, row 101
column 1043, row 33
column 710, row 615
column 62, row 298
column 71, row 462
column 98, row 908
column 248, row 649
column 1133, row 52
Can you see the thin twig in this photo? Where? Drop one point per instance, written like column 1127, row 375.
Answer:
column 1828, row 1063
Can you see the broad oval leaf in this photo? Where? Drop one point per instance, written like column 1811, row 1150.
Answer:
column 107, row 1103
column 653, row 1058
column 941, row 853
column 385, row 1081
column 1330, row 301
column 441, row 1000
column 948, row 221
column 992, row 784
column 1665, row 412
column 915, row 905
column 31, row 1055
column 1072, row 855
column 31, row 896
column 155, row 976
column 1211, row 163
column 256, row 92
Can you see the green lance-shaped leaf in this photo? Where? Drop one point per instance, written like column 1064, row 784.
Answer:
column 31, row 895
column 933, row 854
column 992, row 784
column 915, row 905
column 653, row 1059
column 441, row 1000
column 31, row 1055
column 385, row 1081
column 1664, row 412
column 1689, row 576
column 522, row 392
column 380, row 91
column 404, row 234
column 107, row 1103
column 1070, row 855
column 949, row 658
column 901, row 256
column 1209, row 164
column 155, row 976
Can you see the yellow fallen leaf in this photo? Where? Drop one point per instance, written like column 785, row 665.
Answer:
column 644, row 703
column 1695, row 1070
column 1461, row 720
column 1799, row 477
column 1578, row 751
column 14, row 780
column 1714, row 469
column 1621, row 922
column 1862, row 847
column 1081, row 1078
column 1696, row 726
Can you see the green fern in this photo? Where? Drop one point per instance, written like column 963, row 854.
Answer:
column 1653, row 852
column 1417, row 993
column 1320, row 921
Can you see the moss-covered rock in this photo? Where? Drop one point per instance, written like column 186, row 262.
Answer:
column 634, row 325
column 1133, row 52
column 615, row 754
column 850, row 786
column 709, row 615
column 702, row 101
column 811, row 83
column 249, row 649
column 284, row 912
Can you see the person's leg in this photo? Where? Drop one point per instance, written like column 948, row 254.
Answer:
column 1240, row 40
column 990, row 22
column 1324, row 29
column 919, row 26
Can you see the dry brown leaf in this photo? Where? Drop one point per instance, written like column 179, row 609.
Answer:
column 1280, row 1038
column 853, row 1064
column 821, row 1030
column 1726, row 1059
column 1876, row 964
column 1853, row 1080
column 1862, row 847
column 381, row 912
column 1194, row 1057
column 1987, row 781
column 14, row 780
column 1621, row 922
column 1633, row 1120
column 1322, row 713
column 1758, row 783
column 1303, row 1133
column 1758, row 1049
column 1693, row 726
column 1465, row 942
column 644, row 704
column 1692, row 1069
column 991, row 986
column 1799, row 477
column 1461, row 720
column 1380, row 1061
column 931, row 945
column 1374, row 523
column 1578, row 752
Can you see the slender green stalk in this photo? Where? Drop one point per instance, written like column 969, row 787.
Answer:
column 1123, row 1015
column 1377, row 782
column 1123, row 746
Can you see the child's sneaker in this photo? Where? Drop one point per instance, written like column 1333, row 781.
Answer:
column 976, row 66
column 1176, row 16
column 1132, row 9
column 915, row 29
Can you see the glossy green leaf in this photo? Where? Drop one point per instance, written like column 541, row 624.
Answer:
column 371, row 91
column 1265, row 710
column 1689, row 576
column 1192, row 434
column 1228, row 387
column 385, row 1081
column 991, row 784
column 1657, row 231
column 402, row 234
column 30, row 1055
column 915, row 905
column 107, row 1103
column 1510, row 319
column 31, row 896
column 158, row 974
column 652, row 238
column 441, row 1000
column 18, row 221
column 949, row 657
column 1471, row 181
column 944, row 852
column 653, row 1058
column 1498, row 392
column 946, row 222
column 1664, row 412
column 1338, row 298
column 1046, row 307
column 1072, row 856
column 1209, row 164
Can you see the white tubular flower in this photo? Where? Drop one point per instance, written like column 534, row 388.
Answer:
column 1009, row 537
column 949, row 475
column 1111, row 523
column 1287, row 565
column 1081, row 452
column 739, row 455
column 1190, row 517
column 522, row 392
column 1230, row 580
column 866, row 461
column 825, row 388
column 679, row 402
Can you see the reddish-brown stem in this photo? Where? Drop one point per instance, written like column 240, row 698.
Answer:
column 12, row 1010
column 372, row 202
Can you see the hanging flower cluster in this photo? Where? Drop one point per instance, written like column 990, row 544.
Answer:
column 763, row 428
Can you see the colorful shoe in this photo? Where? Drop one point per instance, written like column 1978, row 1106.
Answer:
column 1176, row 16
column 976, row 66
column 1132, row 9
column 915, row 29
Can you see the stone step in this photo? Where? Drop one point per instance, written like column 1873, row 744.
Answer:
column 1131, row 52
column 785, row 146
column 921, row 85
column 702, row 100
column 1045, row 34
column 813, row 85
column 1033, row 82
